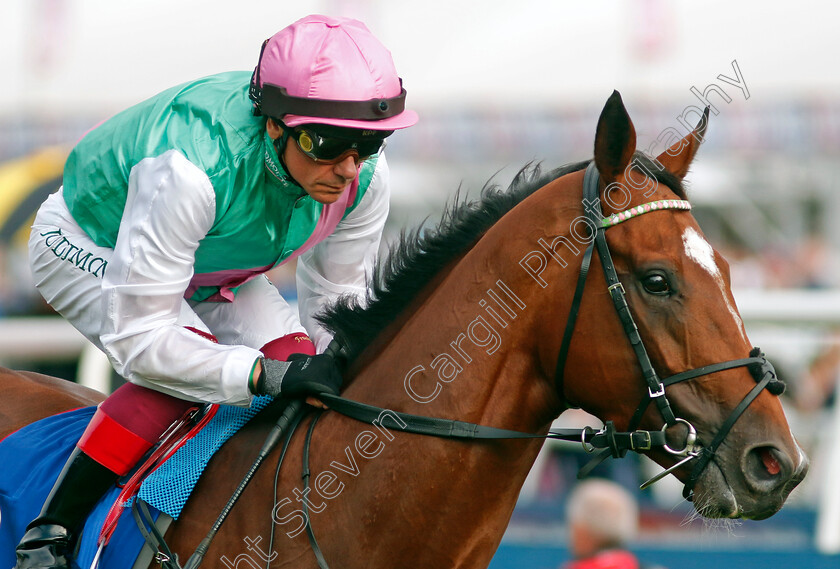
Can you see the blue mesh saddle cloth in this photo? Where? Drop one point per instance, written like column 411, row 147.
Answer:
column 26, row 478
column 168, row 487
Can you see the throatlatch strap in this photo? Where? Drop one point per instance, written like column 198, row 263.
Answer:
column 571, row 320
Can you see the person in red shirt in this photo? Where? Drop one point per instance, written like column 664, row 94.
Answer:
column 602, row 518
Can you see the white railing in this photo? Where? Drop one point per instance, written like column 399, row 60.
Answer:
column 810, row 307
column 50, row 339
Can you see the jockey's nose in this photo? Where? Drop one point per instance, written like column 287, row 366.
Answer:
column 346, row 167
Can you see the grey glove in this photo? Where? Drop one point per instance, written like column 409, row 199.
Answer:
column 302, row 375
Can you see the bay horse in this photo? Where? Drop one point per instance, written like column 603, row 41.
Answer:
column 469, row 322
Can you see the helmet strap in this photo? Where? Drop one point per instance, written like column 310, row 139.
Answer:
column 279, row 144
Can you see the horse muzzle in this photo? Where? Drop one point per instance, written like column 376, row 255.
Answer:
column 751, row 484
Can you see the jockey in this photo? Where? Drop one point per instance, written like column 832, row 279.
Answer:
column 156, row 246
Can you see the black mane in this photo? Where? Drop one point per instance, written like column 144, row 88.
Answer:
column 420, row 254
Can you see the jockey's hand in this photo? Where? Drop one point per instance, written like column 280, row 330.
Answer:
column 300, row 376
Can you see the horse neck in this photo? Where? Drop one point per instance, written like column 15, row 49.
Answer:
column 481, row 345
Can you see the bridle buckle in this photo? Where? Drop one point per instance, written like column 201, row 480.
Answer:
column 618, row 286
column 658, row 393
column 646, row 442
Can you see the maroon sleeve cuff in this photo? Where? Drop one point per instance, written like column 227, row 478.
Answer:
column 282, row 348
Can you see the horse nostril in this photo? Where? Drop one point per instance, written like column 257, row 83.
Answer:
column 766, row 468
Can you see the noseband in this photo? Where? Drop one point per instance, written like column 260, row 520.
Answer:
column 761, row 370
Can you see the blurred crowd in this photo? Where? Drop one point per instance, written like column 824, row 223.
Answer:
column 809, row 263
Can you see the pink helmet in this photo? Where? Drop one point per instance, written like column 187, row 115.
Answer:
column 329, row 71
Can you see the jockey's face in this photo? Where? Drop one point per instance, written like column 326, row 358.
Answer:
column 324, row 182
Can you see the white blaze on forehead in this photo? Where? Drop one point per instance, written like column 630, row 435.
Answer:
column 698, row 250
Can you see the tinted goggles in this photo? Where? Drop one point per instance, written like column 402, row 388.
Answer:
column 332, row 144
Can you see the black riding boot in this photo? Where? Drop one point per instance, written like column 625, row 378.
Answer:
column 50, row 539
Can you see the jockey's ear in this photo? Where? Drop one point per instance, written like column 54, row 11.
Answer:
column 274, row 130
column 677, row 158
column 615, row 139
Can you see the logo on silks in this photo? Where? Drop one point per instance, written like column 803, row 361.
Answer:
column 58, row 243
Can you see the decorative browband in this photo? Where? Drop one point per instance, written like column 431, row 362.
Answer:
column 638, row 210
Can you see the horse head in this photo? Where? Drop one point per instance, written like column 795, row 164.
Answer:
column 678, row 290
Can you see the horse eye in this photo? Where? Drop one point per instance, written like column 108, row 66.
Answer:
column 656, row 284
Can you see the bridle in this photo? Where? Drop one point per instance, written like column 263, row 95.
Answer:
column 761, row 370
column 611, row 441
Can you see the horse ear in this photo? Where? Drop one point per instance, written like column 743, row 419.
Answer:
column 677, row 158
column 615, row 139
